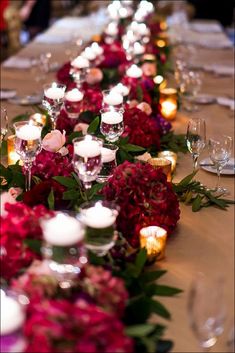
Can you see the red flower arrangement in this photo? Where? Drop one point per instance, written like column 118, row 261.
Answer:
column 20, row 223
column 113, row 56
column 145, row 198
column 142, row 130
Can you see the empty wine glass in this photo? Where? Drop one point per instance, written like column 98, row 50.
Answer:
column 196, row 138
column 206, row 309
column 191, row 86
column 27, row 145
column 53, row 99
column 111, row 125
column 4, row 124
column 220, row 150
column 87, row 160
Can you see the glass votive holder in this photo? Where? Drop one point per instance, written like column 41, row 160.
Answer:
column 99, row 218
column 38, row 118
column 109, row 163
column 73, row 103
column 168, row 102
column 63, row 247
column 111, row 124
column 153, row 239
column 13, row 314
column 171, row 156
column 112, row 98
column 162, row 163
column 12, row 155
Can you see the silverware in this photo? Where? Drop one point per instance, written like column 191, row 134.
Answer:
column 228, row 166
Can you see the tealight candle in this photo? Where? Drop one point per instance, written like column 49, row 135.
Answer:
column 168, row 102
column 28, row 132
column 153, row 239
column 112, row 29
column 123, row 12
column 12, row 315
column 121, row 89
column 87, row 148
column 108, row 155
column 54, row 92
column 62, row 230
column 161, row 43
column 89, row 54
column 12, row 155
column 138, row 48
column 111, row 117
column 38, row 118
column 162, row 163
column 99, row 216
column 97, row 49
column 74, row 95
column 134, row 71
column 80, row 62
column 113, row 98
column 171, row 156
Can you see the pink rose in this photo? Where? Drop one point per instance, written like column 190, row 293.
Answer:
column 5, row 198
column 149, row 69
column 145, row 107
column 94, row 76
column 133, row 103
column 81, row 127
column 15, row 192
column 53, row 141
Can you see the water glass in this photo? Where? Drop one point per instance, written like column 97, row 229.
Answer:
column 53, row 99
column 111, row 125
column 196, row 138
column 109, row 163
column 4, row 124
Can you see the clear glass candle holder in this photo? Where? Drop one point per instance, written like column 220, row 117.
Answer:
column 53, row 99
column 73, row 103
column 4, row 124
column 99, row 219
column 111, row 125
column 63, row 247
column 87, row 159
column 109, row 163
column 112, row 98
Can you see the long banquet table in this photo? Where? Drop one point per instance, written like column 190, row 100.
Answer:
column 203, row 241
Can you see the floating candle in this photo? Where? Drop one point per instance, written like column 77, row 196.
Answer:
column 12, row 315
column 54, row 92
column 112, row 29
column 107, row 155
column 99, row 216
column 121, row 89
column 62, row 230
column 89, row 54
column 74, row 95
column 134, row 71
column 111, row 117
column 29, row 132
column 138, row 48
column 80, row 62
column 113, row 98
column 87, row 148
column 97, row 49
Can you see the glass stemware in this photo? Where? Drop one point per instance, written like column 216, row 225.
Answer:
column 87, row 159
column 220, row 150
column 190, row 86
column 196, row 138
column 53, row 100
column 111, row 125
column 206, row 309
column 4, row 124
column 27, row 145
column 109, row 163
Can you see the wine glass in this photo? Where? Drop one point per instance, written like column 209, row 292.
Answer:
column 4, row 124
column 191, row 85
column 27, row 145
column 111, row 125
column 220, row 150
column 53, row 99
column 206, row 309
column 87, row 159
column 196, row 138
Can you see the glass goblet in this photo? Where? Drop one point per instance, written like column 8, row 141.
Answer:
column 73, row 103
column 27, row 145
column 111, row 125
column 220, row 150
column 112, row 98
column 192, row 84
column 99, row 218
column 206, row 309
column 87, row 160
column 4, row 124
column 196, row 138
column 109, row 163
column 53, row 100
column 63, row 247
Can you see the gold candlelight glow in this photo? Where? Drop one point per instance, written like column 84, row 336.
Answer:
column 161, row 43
column 160, row 81
column 163, row 25
column 153, row 239
column 149, row 57
column 168, row 102
column 38, row 118
column 171, row 156
column 164, row 164
column 12, row 155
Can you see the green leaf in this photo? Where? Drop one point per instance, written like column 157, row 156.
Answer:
column 66, row 181
column 3, row 148
column 34, row 244
column 51, row 200
column 133, row 148
column 93, row 127
column 140, row 261
column 73, row 135
column 152, row 275
column 139, row 330
column 139, row 93
column 164, row 346
column 160, row 309
column 36, row 179
column 94, row 190
column 86, row 116
column 197, row 203
column 166, row 291
column 185, row 181
column 71, row 194
column 20, row 117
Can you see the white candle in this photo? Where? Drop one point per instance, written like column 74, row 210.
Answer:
column 134, row 71
column 62, row 230
column 97, row 49
column 140, row 14
column 113, row 98
column 112, row 29
column 74, row 95
column 87, row 148
column 12, row 315
column 142, row 29
column 54, row 92
column 28, row 132
column 123, row 12
column 168, row 108
column 113, row 12
column 134, row 26
column 111, row 117
column 138, row 48
column 80, row 62
column 89, row 54
column 107, row 155
column 99, row 216
column 121, row 89
column 130, row 36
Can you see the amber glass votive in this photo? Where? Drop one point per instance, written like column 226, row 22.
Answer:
column 153, row 239
column 38, row 118
column 12, row 155
column 168, row 102
column 162, row 163
column 171, row 156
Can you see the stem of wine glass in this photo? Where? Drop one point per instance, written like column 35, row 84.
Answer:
column 195, row 160
column 53, row 119
column 87, row 184
column 28, row 168
column 218, row 177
